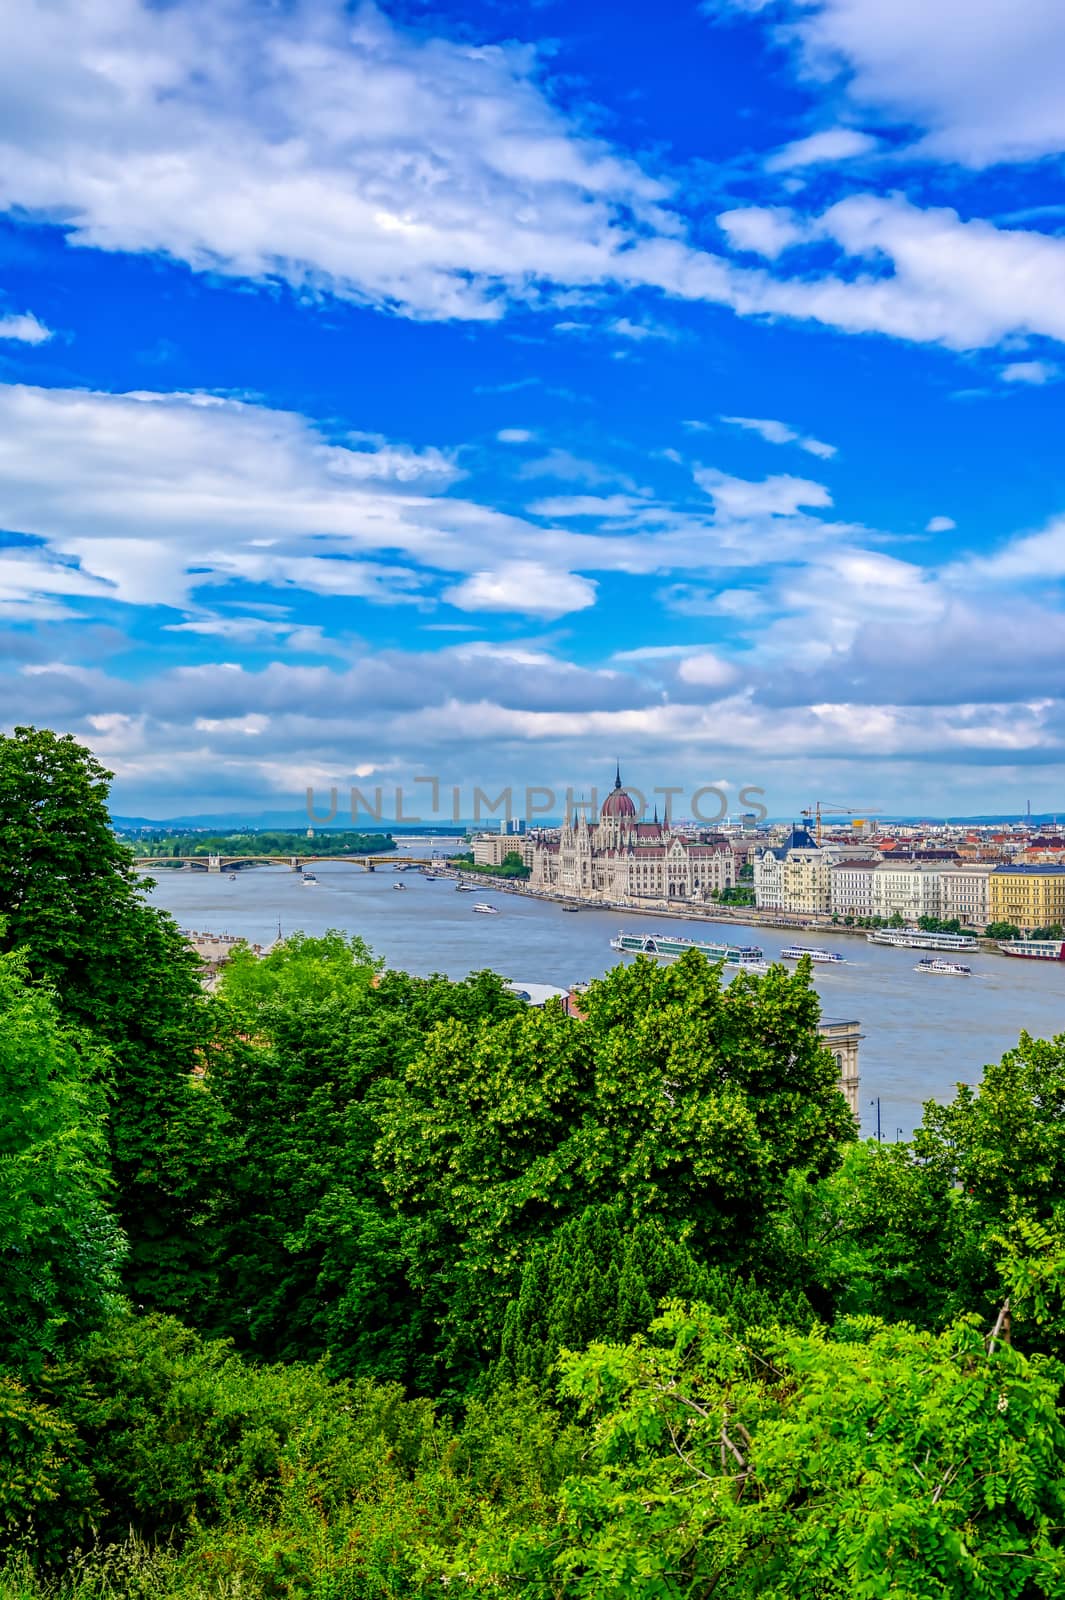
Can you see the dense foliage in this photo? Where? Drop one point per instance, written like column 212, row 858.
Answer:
column 345, row 1284
column 263, row 842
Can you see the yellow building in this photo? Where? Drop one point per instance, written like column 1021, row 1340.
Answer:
column 1029, row 896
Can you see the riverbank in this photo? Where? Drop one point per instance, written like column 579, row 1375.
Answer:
column 684, row 911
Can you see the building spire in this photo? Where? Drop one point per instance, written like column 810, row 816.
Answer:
column 617, row 780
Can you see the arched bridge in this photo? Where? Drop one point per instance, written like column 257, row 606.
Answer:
column 298, row 863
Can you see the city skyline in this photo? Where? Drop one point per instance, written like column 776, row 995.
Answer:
column 500, row 391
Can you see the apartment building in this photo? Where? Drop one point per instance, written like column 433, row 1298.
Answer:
column 851, row 887
column 909, row 889
column 1030, row 896
column 964, row 893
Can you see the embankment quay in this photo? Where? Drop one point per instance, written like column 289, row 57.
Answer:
column 692, row 911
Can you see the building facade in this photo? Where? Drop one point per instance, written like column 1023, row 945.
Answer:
column 618, row 857
column 851, row 887
column 489, row 849
column 908, row 889
column 964, row 893
column 1030, row 895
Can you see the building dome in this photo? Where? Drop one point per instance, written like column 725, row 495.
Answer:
column 618, row 803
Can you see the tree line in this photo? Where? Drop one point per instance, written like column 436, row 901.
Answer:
column 344, row 1283
column 261, row 842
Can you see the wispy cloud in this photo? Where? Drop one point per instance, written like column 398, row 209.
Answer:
column 783, row 433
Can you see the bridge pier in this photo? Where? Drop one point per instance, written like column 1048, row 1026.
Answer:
column 214, row 863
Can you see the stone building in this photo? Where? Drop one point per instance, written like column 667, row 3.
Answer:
column 851, row 888
column 619, row 857
column 489, row 849
column 907, row 888
column 964, row 893
column 773, row 882
column 1029, row 896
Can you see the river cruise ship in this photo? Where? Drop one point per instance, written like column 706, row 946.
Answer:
column 655, row 944
column 1034, row 949
column 917, row 939
column 795, row 952
column 947, row 969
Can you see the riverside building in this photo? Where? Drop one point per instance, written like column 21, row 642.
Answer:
column 1030, row 896
column 618, row 857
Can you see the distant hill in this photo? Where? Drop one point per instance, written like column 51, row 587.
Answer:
column 289, row 821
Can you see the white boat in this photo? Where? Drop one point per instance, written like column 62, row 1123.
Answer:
column 399, row 886
column 758, row 968
column 658, row 944
column 795, row 952
column 918, row 939
column 949, row 969
column 485, row 909
column 309, row 877
column 1034, row 949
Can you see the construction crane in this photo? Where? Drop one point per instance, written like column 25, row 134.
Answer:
column 822, row 807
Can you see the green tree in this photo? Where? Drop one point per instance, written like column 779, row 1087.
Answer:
column 1002, row 930
column 597, row 1279
column 60, row 1248
column 877, row 1461
column 677, row 1097
column 299, row 1245
column 72, row 902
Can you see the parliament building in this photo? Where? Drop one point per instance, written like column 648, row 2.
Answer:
column 618, row 857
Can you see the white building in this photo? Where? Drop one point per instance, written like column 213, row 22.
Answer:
column 963, row 893
column 851, row 889
column 489, row 849
column 774, row 883
column 909, row 889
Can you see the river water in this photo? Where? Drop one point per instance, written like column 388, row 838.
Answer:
column 922, row 1034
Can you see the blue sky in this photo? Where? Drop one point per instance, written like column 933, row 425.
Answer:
column 495, row 391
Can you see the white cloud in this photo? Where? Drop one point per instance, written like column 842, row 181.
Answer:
column 829, row 146
column 940, row 525
column 1039, row 555
column 625, row 328
column 304, row 144
column 658, row 652
column 568, row 468
column 344, row 155
column 982, row 81
column 515, row 435
column 782, row 433
column 585, row 505
column 689, row 600
column 526, row 587
column 707, row 671
column 1034, row 372
column 24, row 327
column 961, row 284
column 779, row 496
column 762, row 230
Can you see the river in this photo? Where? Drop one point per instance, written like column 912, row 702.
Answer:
column 922, row 1034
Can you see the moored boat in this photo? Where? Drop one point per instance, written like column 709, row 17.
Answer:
column 947, row 969
column 1034, row 949
column 918, row 939
column 653, row 944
